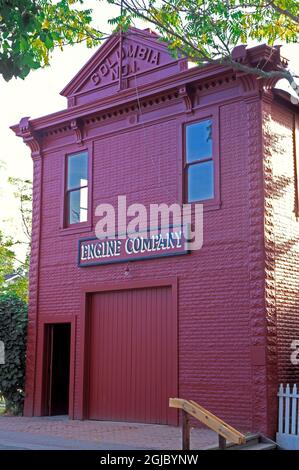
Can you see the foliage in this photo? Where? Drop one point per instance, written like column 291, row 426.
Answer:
column 20, row 285
column 13, row 327
column 31, row 29
column 23, row 192
column 208, row 30
column 6, row 258
column 9, row 264
column 204, row 30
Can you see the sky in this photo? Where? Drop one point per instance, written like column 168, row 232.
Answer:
column 38, row 95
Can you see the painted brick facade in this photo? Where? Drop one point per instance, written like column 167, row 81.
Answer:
column 284, row 227
column 237, row 296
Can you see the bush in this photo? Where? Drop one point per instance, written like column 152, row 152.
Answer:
column 13, row 329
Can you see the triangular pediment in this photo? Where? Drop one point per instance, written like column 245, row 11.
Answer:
column 118, row 63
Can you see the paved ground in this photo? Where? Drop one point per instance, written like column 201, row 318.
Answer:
column 62, row 433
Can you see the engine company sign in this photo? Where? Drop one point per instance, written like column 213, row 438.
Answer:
column 93, row 251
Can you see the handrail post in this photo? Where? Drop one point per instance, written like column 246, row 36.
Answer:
column 222, row 442
column 191, row 408
column 185, row 431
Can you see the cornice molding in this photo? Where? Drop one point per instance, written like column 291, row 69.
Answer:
column 129, row 112
column 267, row 96
column 29, row 137
column 76, row 127
column 248, row 82
column 191, row 78
column 186, row 94
column 125, row 97
column 262, row 86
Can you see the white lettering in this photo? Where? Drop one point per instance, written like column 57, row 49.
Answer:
column 295, row 353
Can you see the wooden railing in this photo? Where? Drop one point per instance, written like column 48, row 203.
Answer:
column 225, row 431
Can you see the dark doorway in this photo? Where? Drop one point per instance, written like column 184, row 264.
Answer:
column 57, row 368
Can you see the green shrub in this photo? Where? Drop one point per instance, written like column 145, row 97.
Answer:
column 13, row 329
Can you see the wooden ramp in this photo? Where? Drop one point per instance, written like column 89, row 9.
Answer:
column 229, row 437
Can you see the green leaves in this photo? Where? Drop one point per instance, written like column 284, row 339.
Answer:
column 8, row 262
column 204, row 30
column 6, row 257
column 8, row 266
column 13, row 327
column 31, row 29
column 208, row 30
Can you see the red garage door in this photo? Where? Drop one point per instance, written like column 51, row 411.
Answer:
column 133, row 360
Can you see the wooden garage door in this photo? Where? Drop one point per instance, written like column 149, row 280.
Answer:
column 133, row 356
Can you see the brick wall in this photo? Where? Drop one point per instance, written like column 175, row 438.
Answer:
column 217, row 296
column 285, row 234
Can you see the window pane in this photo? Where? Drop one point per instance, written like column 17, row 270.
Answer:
column 78, row 206
column 201, row 181
column 199, row 141
column 77, row 171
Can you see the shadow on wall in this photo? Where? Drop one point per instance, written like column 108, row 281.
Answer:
column 282, row 248
column 284, row 229
column 280, row 186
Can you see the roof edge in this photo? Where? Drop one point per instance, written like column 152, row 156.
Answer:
column 241, row 53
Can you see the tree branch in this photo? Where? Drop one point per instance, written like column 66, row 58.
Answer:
column 284, row 12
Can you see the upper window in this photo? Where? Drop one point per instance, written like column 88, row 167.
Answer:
column 77, row 188
column 199, row 163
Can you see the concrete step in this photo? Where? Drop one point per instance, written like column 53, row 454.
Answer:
column 259, row 446
column 251, row 439
column 253, row 442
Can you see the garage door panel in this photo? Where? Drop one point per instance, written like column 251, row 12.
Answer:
column 133, row 369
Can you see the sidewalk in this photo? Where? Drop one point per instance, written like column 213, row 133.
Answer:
column 58, row 432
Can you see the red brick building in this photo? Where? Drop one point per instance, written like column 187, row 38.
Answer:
column 115, row 341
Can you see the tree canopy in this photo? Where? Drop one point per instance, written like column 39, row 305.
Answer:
column 204, row 30
column 31, row 29
column 6, row 258
column 9, row 263
column 207, row 31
